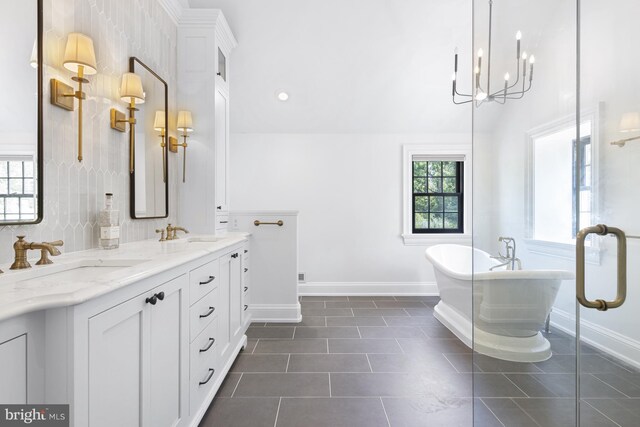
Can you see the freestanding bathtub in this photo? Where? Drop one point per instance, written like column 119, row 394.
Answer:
column 498, row 313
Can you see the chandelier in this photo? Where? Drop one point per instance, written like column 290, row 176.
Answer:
column 510, row 90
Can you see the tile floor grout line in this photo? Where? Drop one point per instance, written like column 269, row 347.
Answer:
column 385, row 411
column 359, row 334
column 288, row 360
column 329, row 374
column 369, row 362
column 526, row 413
column 489, row 409
column 294, row 333
column 275, row 422
column 237, row 384
column 603, row 414
column 401, row 349
column 255, row 346
column 509, row 379
column 454, row 366
column 607, row 384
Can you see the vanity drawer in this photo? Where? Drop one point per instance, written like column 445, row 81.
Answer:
column 203, row 312
column 204, row 348
column 222, row 221
column 203, row 279
column 204, row 374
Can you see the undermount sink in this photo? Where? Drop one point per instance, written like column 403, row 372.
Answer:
column 78, row 271
column 204, row 239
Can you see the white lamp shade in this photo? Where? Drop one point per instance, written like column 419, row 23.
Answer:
column 159, row 121
column 79, row 52
column 185, row 121
column 34, row 55
column 131, row 89
column 630, row 122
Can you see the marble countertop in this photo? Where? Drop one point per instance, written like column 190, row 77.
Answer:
column 72, row 279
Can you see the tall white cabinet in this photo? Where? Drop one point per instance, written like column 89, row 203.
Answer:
column 205, row 43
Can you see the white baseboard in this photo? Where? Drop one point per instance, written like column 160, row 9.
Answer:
column 367, row 288
column 288, row 313
column 611, row 342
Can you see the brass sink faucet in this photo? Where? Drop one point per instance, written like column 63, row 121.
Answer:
column 171, row 232
column 21, row 247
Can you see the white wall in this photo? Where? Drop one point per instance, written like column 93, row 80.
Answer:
column 73, row 191
column 348, row 189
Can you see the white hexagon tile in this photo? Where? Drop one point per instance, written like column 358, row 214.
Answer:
column 74, row 191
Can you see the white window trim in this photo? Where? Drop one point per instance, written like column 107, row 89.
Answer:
column 552, row 248
column 436, row 150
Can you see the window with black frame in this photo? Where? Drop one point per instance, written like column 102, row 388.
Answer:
column 17, row 184
column 437, row 196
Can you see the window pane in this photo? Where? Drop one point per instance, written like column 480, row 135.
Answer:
column 12, row 205
column 435, row 220
column 436, row 204
column 585, row 219
column 449, row 169
column 451, row 220
column 421, row 204
column 451, row 204
column 15, row 186
column 587, row 175
column 435, row 185
column 26, row 205
column 28, row 169
column 422, row 220
column 449, row 185
column 15, row 169
column 420, row 185
column 12, row 217
column 4, row 171
column 1, row 205
column 4, row 186
column 419, row 168
column 435, row 168
column 28, row 186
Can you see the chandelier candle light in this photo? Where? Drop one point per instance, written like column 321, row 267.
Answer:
column 509, row 90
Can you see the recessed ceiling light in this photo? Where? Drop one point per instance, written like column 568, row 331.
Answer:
column 283, row 96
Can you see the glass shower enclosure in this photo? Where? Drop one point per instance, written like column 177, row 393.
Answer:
column 556, row 164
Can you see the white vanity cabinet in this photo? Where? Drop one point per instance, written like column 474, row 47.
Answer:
column 135, row 352
column 22, row 360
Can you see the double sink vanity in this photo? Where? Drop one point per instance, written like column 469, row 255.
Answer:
column 140, row 335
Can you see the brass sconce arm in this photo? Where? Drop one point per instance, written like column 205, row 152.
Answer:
column 623, row 142
column 174, row 147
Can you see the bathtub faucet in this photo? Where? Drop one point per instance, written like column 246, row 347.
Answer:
column 509, row 259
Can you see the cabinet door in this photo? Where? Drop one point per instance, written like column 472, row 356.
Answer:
column 13, row 371
column 221, row 145
column 118, row 371
column 223, row 295
column 235, row 300
column 169, row 345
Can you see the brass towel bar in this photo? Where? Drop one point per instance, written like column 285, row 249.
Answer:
column 279, row 223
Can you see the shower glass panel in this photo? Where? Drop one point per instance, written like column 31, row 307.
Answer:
column 526, row 210
column 609, row 357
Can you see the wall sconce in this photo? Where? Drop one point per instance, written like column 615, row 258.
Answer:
column 630, row 122
column 159, row 125
column 185, row 125
column 131, row 92
column 80, row 58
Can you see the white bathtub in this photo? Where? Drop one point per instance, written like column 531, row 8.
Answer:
column 509, row 307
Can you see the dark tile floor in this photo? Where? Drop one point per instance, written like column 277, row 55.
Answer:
column 386, row 361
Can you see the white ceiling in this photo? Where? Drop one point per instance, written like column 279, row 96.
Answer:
column 349, row 66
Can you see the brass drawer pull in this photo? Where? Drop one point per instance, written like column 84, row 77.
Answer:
column 211, row 341
column 279, row 223
column 206, row 282
column 211, row 371
column 209, row 313
column 621, row 293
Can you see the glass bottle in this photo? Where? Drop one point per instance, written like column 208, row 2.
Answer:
column 109, row 223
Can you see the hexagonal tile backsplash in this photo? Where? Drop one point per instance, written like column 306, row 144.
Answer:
column 74, row 191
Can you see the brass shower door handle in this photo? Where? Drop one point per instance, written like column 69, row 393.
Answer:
column 621, row 294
